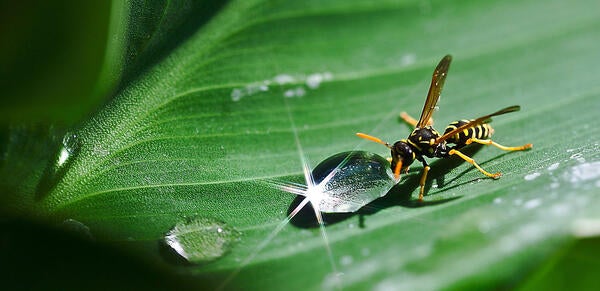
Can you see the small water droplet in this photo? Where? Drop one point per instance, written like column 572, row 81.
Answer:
column 199, row 240
column 294, row 92
column 78, row 228
column 533, row 203
column 497, row 200
column 578, row 157
column 583, row 172
column 70, row 148
column 553, row 166
column 351, row 181
column 288, row 93
column 283, row 79
column 532, row 176
column 236, row 94
column 313, row 81
column 251, row 89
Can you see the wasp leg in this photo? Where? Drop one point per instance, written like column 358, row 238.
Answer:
column 490, row 142
column 410, row 120
column 423, row 179
column 472, row 162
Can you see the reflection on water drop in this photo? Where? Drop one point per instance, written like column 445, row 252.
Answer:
column 199, row 240
column 359, row 177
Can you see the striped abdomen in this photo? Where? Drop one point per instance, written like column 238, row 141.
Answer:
column 481, row 131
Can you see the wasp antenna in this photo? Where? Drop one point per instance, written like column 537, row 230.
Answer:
column 374, row 139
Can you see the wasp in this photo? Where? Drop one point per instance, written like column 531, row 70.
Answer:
column 425, row 141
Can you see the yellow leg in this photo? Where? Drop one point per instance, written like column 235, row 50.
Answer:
column 422, row 182
column 472, row 162
column 490, row 142
column 410, row 120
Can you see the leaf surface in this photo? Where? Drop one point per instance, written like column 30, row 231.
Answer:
column 196, row 133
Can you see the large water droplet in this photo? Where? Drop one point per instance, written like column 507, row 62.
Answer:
column 200, row 240
column 359, row 177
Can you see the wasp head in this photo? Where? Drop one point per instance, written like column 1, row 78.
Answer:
column 402, row 157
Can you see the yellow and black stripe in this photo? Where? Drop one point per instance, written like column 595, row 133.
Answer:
column 480, row 131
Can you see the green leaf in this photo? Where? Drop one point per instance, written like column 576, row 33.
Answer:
column 196, row 133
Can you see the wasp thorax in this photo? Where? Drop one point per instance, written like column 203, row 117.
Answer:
column 401, row 151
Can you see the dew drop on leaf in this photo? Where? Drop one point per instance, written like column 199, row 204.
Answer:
column 77, row 228
column 359, row 177
column 199, row 240
column 70, row 147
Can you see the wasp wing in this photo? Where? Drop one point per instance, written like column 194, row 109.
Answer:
column 475, row 122
column 435, row 90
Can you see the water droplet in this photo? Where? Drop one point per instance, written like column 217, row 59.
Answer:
column 553, row 166
column 294, row 92
column 252, row 89
column 288, row 93
column 578, row 157
column 78, row 228
column 352, row 180
column 284, row 79
column 199, row 240
column 314, row 81
column 533, row 203
column 532, row 176
column 583, row 172
column 236, row 94
column 71, row 145
column 497, row 200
